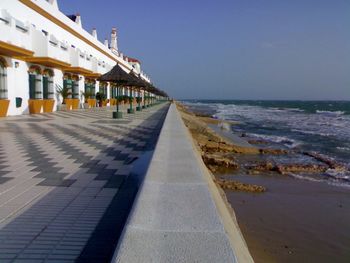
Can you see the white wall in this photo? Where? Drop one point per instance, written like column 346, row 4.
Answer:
column 17, row 77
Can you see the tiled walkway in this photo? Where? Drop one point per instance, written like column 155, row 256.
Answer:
column 65, row 189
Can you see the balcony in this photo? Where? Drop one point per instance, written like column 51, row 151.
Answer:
column 15, row 38
column 81, row 63
column 48, row 50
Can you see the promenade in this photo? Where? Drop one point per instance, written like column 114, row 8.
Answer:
column 178, row 214
column 65, row 184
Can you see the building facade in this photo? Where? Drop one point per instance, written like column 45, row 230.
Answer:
column 43, row 50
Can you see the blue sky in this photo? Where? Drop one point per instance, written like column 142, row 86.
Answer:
column 229, row 49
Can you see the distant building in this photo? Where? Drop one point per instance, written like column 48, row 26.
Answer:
column 40, row 48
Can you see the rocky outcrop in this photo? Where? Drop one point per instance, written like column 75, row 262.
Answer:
column 301, row 168
column 238, row 186
column 209, row 146
column 268, row 166
column 260, row 167
column 273, row 151
column 332, row 164
column 216, row 162
column 207, row 139
column 257, row 142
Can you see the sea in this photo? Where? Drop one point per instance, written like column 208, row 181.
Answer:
column 321, row 127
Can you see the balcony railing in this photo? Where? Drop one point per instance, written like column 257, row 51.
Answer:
column 14, row 31
column 80, row 59
column 49, row 46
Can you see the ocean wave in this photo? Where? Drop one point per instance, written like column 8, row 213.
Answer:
column 345, row 149
column 312, row 132
column 338, row 184
column 295, row 110
column 330, row 181
column 336, row 174
column 307, row 178
column 290, row 143
column 336, row 113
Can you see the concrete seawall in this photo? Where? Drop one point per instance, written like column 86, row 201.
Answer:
column 179, row 215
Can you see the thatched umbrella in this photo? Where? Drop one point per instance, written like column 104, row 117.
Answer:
column 116, row 75
column 121, row 78
column 138, row 83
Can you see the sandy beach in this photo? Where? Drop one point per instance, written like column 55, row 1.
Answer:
column 283, row 219
column 294, row 220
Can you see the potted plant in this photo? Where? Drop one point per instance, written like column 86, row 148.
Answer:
column 104, row 99
column 99, row 97
column 88, row 100
column 131, row 100
column 4, row 103
column 64, row 93
column 138, row 101
column 125, row 99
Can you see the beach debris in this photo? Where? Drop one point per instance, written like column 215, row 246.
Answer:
column 238, row 186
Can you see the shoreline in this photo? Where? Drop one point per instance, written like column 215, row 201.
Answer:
column 294, row 221
column 266, row 242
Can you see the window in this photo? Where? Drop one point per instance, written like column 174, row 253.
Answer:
column 35, row 83
column 48, row 89
column 3, row 80
column 103, row 89
column 113, row 91
column 21, row 26
column 89, row 89
column 68, row 83
column 75, row 87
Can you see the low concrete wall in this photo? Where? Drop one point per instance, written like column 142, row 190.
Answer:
column 179, row 215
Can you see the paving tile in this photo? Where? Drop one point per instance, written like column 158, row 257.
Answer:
column 59, row 175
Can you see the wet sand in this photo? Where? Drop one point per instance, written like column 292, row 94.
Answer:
column 294, row 221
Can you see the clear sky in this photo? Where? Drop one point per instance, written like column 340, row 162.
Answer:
column 231, row 49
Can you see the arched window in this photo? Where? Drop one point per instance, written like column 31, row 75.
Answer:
column 75, row 83
column 3, row 79
column 35, row 83
column 68, row 84
column 48, row 89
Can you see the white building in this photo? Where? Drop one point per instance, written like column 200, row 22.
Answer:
column 40, row 48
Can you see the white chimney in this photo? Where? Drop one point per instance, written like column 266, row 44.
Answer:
column 114, row 39
column 54, row 3
column 94, row 33
column 78, row 19
column 106, row 42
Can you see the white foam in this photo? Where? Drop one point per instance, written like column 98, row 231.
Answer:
column 277, row 139
column 345, row 149
column 330, row 112
column 306, row 178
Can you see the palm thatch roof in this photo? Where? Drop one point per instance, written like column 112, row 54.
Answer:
column 117, row 75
